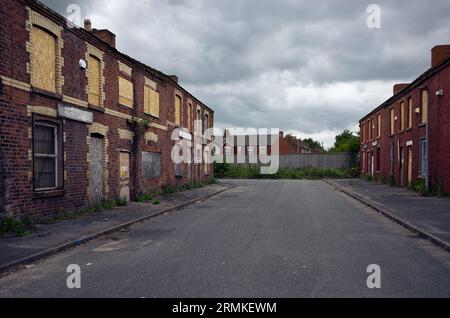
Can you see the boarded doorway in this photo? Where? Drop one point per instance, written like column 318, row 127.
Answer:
column 124, row 182
column 410, row 154
column 96, row 167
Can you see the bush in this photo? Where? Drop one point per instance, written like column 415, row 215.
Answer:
column 156, row 202
column 419, row 186
column 18, row 226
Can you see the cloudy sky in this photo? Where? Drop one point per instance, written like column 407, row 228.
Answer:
column 312, row 68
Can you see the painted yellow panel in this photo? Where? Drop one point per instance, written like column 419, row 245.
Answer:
column 94, row 83
column 154, row 106
column 151, row 101
column 402, row 116
column 43, row 59
column 410, row 112
column 379, row 125
column 424, row 106
column 124, row 166
column 392, row 113
column 178, row 110
column 126, row 94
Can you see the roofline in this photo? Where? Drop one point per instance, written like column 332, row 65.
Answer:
column 414, row 84
column 142, row 66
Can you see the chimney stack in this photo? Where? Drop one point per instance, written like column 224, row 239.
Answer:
column 439, row 54
column 399, row 87
column 106, row 36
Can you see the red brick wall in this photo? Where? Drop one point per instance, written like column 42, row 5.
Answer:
column 438, row 139
column 16, row 187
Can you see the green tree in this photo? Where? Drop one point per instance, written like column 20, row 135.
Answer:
column 347, row 141
column 314, row 145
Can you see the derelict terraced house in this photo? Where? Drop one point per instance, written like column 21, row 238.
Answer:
column 407, row 138
column 80, row 122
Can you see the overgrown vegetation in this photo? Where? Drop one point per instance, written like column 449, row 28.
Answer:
column 224, row 170
column 347, row 141
column 16, row 226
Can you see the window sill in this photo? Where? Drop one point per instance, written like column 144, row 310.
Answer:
column 125, row 106
column 49, row 194
column 409, row 129
column 46, row 93
column 422, row 125
column 153, row 116
column 97, row 108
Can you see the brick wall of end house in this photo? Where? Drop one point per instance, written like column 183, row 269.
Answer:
column 438, row 132
column 19, row 103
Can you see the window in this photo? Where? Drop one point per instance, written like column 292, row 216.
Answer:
column 151, row 165
column 47, row 150
column 402, row 116
column 363, row 133
column 199, row 121
column 379, row 125
column 151, row 101
column 206, row 124
column 94, row 82
column 189, row 117
column 43, row 59
column 178, row 110
column 410, row 112
column 423, row 157
column 250, row 150
column 371, row 129
column 392, row 121
column 424, row 106
column 126, row 93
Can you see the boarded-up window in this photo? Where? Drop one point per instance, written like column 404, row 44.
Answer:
column 43, row 59
column 402, row 116
column 379, row 125
column 151, row 165
column 94, row 83
column 392, row 121
column 151, row 101
column 126, row 94
column 178, row 110
column 410, row 112
column 189, row 117
column 424, row 106
column 363, row 133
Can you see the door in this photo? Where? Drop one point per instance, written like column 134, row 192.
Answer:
column 96, row 167
column 401, row 164
column 124, row 182
column 372, row 167
column 410, row 154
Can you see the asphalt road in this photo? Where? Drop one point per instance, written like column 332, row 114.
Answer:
column 262, row 239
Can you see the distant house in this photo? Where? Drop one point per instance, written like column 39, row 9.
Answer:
column 258, row 145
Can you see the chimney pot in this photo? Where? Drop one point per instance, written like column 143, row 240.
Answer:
column 88, row 25
column 174, row 78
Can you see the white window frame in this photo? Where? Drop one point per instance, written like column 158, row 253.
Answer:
column 54, row 156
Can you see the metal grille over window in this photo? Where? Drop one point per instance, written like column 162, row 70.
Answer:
column 45, row 156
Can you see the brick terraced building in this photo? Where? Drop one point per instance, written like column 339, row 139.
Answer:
column 407, row 138
column 80, row 122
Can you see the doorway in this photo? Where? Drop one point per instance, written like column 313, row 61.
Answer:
column 410, row 154
column 96, row 169
column 124, row 180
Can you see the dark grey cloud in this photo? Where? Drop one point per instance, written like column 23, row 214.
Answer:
column 312, row 67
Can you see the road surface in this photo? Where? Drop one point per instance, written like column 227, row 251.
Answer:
column 262, row 239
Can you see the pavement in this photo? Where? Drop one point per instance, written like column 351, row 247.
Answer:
column 264, row 238
column 429, row 217
column 49, row 239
